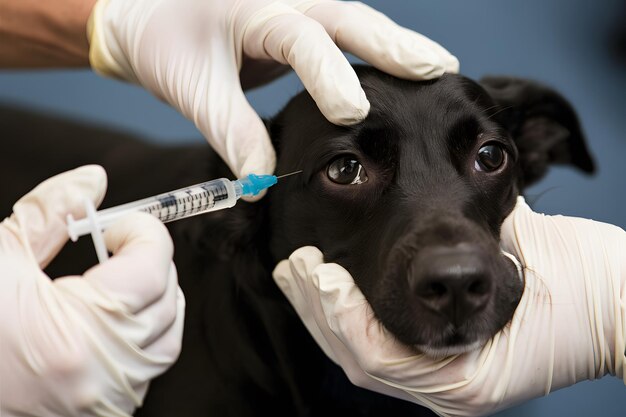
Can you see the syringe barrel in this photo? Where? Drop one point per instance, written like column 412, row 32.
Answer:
column 175, row 205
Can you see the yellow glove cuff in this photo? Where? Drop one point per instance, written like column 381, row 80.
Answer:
column 100, row 57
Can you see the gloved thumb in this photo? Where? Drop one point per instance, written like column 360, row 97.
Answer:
column 293, row 277
column 38, row 221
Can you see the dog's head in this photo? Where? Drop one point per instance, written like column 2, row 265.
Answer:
column 411, row 200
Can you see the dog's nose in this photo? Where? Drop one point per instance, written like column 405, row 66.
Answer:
column 453, row 281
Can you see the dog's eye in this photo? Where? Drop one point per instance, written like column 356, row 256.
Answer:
column 346, row 170
column 490, row 157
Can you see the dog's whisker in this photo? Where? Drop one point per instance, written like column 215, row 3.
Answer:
column 532, row 200
column 500, row 110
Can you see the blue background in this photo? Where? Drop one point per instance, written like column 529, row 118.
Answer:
column 563, row 43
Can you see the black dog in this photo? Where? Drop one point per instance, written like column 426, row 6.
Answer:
column 410, row 202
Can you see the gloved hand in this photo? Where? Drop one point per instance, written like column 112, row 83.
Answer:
column 190, row 54
column 83, row 345
column 570, row 324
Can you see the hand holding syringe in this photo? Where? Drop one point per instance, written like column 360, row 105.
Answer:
column 175, row 205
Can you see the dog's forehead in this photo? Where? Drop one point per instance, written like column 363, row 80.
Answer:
column 403, row 102
column 432, row 124
column 427, row 117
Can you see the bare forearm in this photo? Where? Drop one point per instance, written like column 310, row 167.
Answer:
column 44, row 33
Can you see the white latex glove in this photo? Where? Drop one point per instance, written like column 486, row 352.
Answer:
column 570, row 324
column 190, row 53
column 83, row 345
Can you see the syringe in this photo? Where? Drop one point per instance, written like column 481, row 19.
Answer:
column 179, row 204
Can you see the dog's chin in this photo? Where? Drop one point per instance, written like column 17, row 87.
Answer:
column 438, row 352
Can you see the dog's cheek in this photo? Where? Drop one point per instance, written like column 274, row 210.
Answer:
column 490, row 212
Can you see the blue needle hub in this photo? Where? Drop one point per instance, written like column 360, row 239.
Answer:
column 254, row 184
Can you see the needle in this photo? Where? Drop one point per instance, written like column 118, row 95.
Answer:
column 286, row 175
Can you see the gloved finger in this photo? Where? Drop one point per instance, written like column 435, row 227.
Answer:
column 285, row 35
column 155, row 320
column 291, row 277
column 39, row 218
column 169, row 343
column 157, row 357
column 237, row 133
column 373, row 37
column 139, row 271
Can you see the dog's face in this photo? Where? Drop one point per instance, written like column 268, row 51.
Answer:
column 411, row 200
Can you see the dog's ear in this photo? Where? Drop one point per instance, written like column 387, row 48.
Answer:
column 543, row 124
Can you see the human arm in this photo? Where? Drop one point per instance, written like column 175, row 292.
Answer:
column 44, row 34
column 83, row 345
column 569, row 326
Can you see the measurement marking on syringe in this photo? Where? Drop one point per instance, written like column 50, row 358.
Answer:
column 172, row 207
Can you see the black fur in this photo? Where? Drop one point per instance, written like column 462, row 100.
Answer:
column 245, row 352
